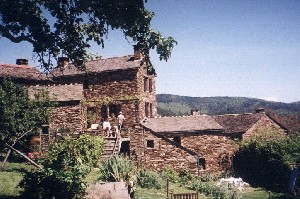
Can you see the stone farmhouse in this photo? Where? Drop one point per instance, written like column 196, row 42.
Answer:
column 104, row 87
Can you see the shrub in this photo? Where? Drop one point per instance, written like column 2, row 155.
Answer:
column 150, row 179
column 65, row 166
column 265, row 160
column 185, row 176
column 116, row 169
column 170, row 174
column 208, row 188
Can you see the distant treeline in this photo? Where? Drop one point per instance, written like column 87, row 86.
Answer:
column 174, row 105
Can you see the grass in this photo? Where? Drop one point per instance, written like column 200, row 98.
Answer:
column 10, row 179
column 143, row 193
column 13, row 174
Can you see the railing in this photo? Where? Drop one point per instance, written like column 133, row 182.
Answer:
column 184, row 195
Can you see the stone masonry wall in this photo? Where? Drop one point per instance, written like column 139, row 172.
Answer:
column 265, row 124
column 216, row 149
column 68, row 116
column 146, row 96
column 164, row 154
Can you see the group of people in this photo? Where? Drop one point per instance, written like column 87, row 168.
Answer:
column 107, row 126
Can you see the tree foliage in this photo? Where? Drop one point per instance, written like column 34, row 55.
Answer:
column 266, row 160
column 65, row 166
column 19, row 114
column 68, row 27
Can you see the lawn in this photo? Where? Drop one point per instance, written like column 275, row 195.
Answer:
column 10, row 178
column 13, row 174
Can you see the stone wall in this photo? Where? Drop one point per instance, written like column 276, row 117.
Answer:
column 163, row 154
column 67, row 116
column 217, row 149
column 214, row 150
column 265, row 124
column 149, row 95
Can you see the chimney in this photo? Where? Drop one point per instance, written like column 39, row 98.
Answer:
column 259, row 110
column 62, row 61
column 22, row 61
column 137, row 52
column 195, row 112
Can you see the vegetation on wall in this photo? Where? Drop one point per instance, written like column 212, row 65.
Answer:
column 266, row 160
column 64, row 168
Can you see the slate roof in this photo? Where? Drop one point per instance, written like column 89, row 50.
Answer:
column 181, row 124
column 98, row 66
column 60, row 93
column 237, row 123
column 21, row 72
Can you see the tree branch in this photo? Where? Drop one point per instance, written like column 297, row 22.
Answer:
column 16, row 39
column 26, row 157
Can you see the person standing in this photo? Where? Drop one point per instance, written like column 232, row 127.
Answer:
column 107, row 127
column 121, row 119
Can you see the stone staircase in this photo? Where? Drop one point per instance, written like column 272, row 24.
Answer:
column 111, row 147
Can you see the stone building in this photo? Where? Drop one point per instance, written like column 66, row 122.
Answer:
column 200, row 143
column 104, row 87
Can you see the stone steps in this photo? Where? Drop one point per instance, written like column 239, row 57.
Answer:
column 110, row 148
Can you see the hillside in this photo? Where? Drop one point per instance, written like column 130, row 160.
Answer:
column 287, row 113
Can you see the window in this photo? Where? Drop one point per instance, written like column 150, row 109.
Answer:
column 177, row 140
column 150, row 143
column 85, row 84
column 146, row 83
column 146, row 109
column 150, row 85
column 45, row 129
column 111, row 110
column 151, row 113
column 92, row 116
column 201, row 163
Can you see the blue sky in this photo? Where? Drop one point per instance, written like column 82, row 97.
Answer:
column 247, row 48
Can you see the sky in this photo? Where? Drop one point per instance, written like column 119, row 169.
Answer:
column 240, row 48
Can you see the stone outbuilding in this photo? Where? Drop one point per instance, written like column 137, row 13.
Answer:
column 200, row 143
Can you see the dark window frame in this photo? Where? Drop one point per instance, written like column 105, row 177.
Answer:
column 177, row 140
column 150, row 144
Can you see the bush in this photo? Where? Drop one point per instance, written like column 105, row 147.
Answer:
column 116, row 169
column 170, row 174
column 208, row 188
column 150, row 179
column 65, row 166
column 265, row 160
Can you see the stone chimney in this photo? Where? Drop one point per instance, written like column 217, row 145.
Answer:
column 259, row 110
column 195, row 112
column 22, row 61
column 62, row 62
column 137, row 52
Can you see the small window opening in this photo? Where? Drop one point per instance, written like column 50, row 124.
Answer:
column 85, row 84
column 45, row 129
column 150, row 143
column 202, row 163
column 177, row 140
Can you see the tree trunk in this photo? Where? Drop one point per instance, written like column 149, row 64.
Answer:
column 5, row 160
column 9, row 150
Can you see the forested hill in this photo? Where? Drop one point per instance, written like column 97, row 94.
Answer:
column 286, row 113
column 182, row 105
